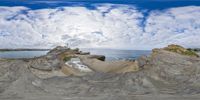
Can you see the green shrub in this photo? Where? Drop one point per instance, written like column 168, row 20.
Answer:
column 191, row 53
column 67, row 58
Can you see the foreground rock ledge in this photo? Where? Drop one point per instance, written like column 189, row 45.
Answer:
column 164, row 75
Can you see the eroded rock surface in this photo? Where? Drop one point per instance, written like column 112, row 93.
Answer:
column 163, row 75
column 173, row 72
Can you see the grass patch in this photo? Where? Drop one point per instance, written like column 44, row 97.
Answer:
column 191, row 53
column 67, row 58
column 181, row 50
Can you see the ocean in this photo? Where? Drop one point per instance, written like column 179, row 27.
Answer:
column 110, row 54
column 21, row 54
column 114, row 54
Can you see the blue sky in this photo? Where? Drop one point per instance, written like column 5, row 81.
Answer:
column 117, row 24
column 143, row 4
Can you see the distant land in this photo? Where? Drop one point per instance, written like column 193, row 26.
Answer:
column 37, row 49
column 24, row 49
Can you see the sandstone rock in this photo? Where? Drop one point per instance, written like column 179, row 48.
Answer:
column 173, row 71
column 142, row 61
column 41, row 64
column 164, row 75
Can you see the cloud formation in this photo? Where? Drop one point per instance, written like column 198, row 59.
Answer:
column 107, row 26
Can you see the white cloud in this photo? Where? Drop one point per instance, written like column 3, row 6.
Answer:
column 176, row 25
column 108, row 26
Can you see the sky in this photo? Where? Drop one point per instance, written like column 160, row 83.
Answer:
column 114, row 24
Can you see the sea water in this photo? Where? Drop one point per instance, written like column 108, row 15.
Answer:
column 113, row 54
column 110, row 54
column 22, row 54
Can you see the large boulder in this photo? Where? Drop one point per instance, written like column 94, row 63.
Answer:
column 99, row 57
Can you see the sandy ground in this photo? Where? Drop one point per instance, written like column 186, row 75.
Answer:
column 110, row 66
column 105, row 97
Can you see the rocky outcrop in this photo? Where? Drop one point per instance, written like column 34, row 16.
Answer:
column 172, row 72
column 56, row 58
column 163, row 75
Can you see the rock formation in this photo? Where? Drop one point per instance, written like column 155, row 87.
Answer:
column 164, row 75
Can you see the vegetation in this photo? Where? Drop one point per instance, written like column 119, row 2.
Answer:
column 181, row 50
column 189, row 52
column 67, row 58
column 194, row 49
